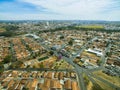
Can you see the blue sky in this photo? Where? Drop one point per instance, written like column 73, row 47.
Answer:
column 60, row 10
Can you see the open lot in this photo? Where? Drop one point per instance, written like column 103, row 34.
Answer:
column 113, row 79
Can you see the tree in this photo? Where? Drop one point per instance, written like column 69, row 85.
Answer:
column 7, row 59
column 97, row 87
column 62, row 37
column 70, row 42
column 51, row 52
column 99, row 62
column 1, row 67
column 41, row 65
column 86, row 80
column 24, row 88
column 11, row 27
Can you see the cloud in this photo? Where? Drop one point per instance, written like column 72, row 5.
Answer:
column 72, row 9
column 19, row 7
column 69, row 6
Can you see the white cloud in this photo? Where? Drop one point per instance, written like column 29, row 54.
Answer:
column 74, row 9
column 71, row 6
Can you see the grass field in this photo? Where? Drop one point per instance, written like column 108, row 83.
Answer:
column 62, row 65
column 113, row 79
column 103, row 86
column 2, row 30
column 92, row 26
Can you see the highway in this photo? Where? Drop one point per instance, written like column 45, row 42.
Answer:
column 106, row 82
column 79, row 72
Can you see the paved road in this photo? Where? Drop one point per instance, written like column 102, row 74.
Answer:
column 103, row 58
column 80, row 70
column 106, row 82
column 41, row 69
column 84, row 47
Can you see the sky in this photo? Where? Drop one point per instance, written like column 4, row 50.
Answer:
column 60, row 10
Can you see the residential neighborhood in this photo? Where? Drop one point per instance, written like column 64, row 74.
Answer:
column 77, row 59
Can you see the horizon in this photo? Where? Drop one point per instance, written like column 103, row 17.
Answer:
column 62, row 20
column 92, row 10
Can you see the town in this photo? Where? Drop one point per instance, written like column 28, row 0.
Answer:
column 59, row 55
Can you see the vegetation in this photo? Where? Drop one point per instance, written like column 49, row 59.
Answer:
column 1, row 67
column 41, row 65
column 109, row 53
column 70, row 42
column 7, row 59
column 86, row 80
column 2, row 30
column 92, row 26
column 113, row 79
column 102, row 86
column 99, row 62
column 9, row 33
column 62, row 37
column 11, row 27
column 16, row 64
column 24, row 88
column 96, row 87
column 51, row 52
column 43, row 58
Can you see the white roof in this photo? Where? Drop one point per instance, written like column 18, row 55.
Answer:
column 94, row 51
column 33, row 35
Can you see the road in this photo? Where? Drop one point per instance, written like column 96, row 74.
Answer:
column 70, row 61
column 106, row 82
column 79, row 70
column 41, row 69
column 84, row 47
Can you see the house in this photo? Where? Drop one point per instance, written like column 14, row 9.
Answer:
column 110, row 62
column 72, row 75
column 55, row 84
column 32, row 35
column 47, row 83
column 67, row 75
column 49, row 75
column 11, row 83
column 28, row 85
column 20, row 87
column 34, row 84
column 67, row 85
column 61, row 75
column 95, row 51
column 56, row 74
column 75, row 85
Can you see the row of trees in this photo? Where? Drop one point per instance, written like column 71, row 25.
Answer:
column 11, row 27
column 74, row 27
column 10, row 31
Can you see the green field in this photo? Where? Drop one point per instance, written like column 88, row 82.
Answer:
column 113, row 79
column 92, row 26
column 2, row 30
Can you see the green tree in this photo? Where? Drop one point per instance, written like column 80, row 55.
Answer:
column 86, row 80
column 24, row 88
column 62, row 37
column 99, row 62
column 70, row 42
column 41, row 65
column 7, row 59
column 51, row 52
column 1, row 67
